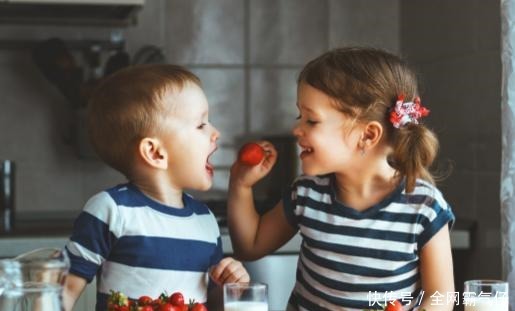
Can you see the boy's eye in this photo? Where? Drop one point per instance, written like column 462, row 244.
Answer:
column 298, row 117
column 201, row 126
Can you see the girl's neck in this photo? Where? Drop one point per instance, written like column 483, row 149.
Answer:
column 366, row 187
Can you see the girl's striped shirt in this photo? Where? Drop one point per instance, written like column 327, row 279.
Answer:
column 355, row 260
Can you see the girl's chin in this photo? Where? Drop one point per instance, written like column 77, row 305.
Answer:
column 306, row 170
column 310, row 171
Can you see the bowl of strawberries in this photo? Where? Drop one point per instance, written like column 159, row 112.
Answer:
column 118, row 301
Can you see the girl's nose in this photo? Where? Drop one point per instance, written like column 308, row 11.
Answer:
column 296, row 130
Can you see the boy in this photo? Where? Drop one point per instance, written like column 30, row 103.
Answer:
column 147, row 236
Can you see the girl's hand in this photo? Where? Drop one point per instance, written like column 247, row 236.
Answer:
column 247, row 175
column 229, row 270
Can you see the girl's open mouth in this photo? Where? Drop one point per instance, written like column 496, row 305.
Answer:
column 305, row 151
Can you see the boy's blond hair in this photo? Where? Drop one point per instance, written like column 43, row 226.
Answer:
column 128, row 106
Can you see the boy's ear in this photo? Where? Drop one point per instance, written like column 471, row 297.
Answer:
column 152, row 152
column 372, row 134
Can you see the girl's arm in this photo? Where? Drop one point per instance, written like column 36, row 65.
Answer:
column 252, row 235
column 436, row 272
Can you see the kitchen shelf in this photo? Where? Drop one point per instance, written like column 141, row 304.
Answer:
column 12, row 44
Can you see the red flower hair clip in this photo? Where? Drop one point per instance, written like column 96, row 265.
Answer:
column 403, row 113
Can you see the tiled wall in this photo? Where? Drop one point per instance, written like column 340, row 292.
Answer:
column 456, row 48
column 247, row 54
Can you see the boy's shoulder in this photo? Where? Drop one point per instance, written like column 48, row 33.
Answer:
column 121, row 194
column 199, row 207
column 129, row 195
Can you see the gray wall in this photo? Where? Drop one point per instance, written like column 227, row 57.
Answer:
column 248, row 54
column 455, row 46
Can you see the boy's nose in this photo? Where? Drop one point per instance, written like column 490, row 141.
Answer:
column 216, row 134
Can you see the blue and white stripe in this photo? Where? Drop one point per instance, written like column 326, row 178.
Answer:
column 139, row 246
column 347, row 254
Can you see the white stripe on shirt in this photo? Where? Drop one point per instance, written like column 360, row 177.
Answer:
column 191, row 284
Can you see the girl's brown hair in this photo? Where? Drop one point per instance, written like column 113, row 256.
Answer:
column 365, row 84
column 130, row 105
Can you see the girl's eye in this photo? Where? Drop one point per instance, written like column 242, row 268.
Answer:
column 311, row 122
column 298, row 117
column 201, row 126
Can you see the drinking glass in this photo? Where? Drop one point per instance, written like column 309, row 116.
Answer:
column 33, row 281
column 32, row 296
column 245, row 297
column 485, row 295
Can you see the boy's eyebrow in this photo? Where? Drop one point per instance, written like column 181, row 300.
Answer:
column 204, row 114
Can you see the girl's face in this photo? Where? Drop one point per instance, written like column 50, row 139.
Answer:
column 189, row 139
column 327, row 137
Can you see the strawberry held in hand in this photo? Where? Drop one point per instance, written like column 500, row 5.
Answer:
column 394, row 306
column 251, row 154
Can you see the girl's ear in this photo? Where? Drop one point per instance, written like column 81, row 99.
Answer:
column 153, row 153
column 372, row 134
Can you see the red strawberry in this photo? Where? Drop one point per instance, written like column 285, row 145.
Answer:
column 144, row 301
column 198, row 307
column 169, row 307
column 176, row 299
column 394, row 306
column 251, row 154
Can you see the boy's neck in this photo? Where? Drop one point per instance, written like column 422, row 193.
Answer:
column 161, row 192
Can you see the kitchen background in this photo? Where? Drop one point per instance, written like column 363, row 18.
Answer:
column 248, row 53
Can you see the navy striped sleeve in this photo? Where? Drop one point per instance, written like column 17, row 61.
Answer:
column 82, row 268
column 92, row 239
column 218, row 253
column 444, row 216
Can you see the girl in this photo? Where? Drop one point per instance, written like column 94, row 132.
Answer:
column 373, row 225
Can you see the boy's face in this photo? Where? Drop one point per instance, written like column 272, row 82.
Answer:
column 189, row 139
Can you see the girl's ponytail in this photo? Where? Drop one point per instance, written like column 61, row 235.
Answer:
column 372, row 85
column 414, row 150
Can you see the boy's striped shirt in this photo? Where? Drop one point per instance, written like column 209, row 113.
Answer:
column 139, row 246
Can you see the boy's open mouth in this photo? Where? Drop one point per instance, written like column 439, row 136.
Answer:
column 209, row 167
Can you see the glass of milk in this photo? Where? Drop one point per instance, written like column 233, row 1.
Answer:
column 485, row 295
column 245, row 297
